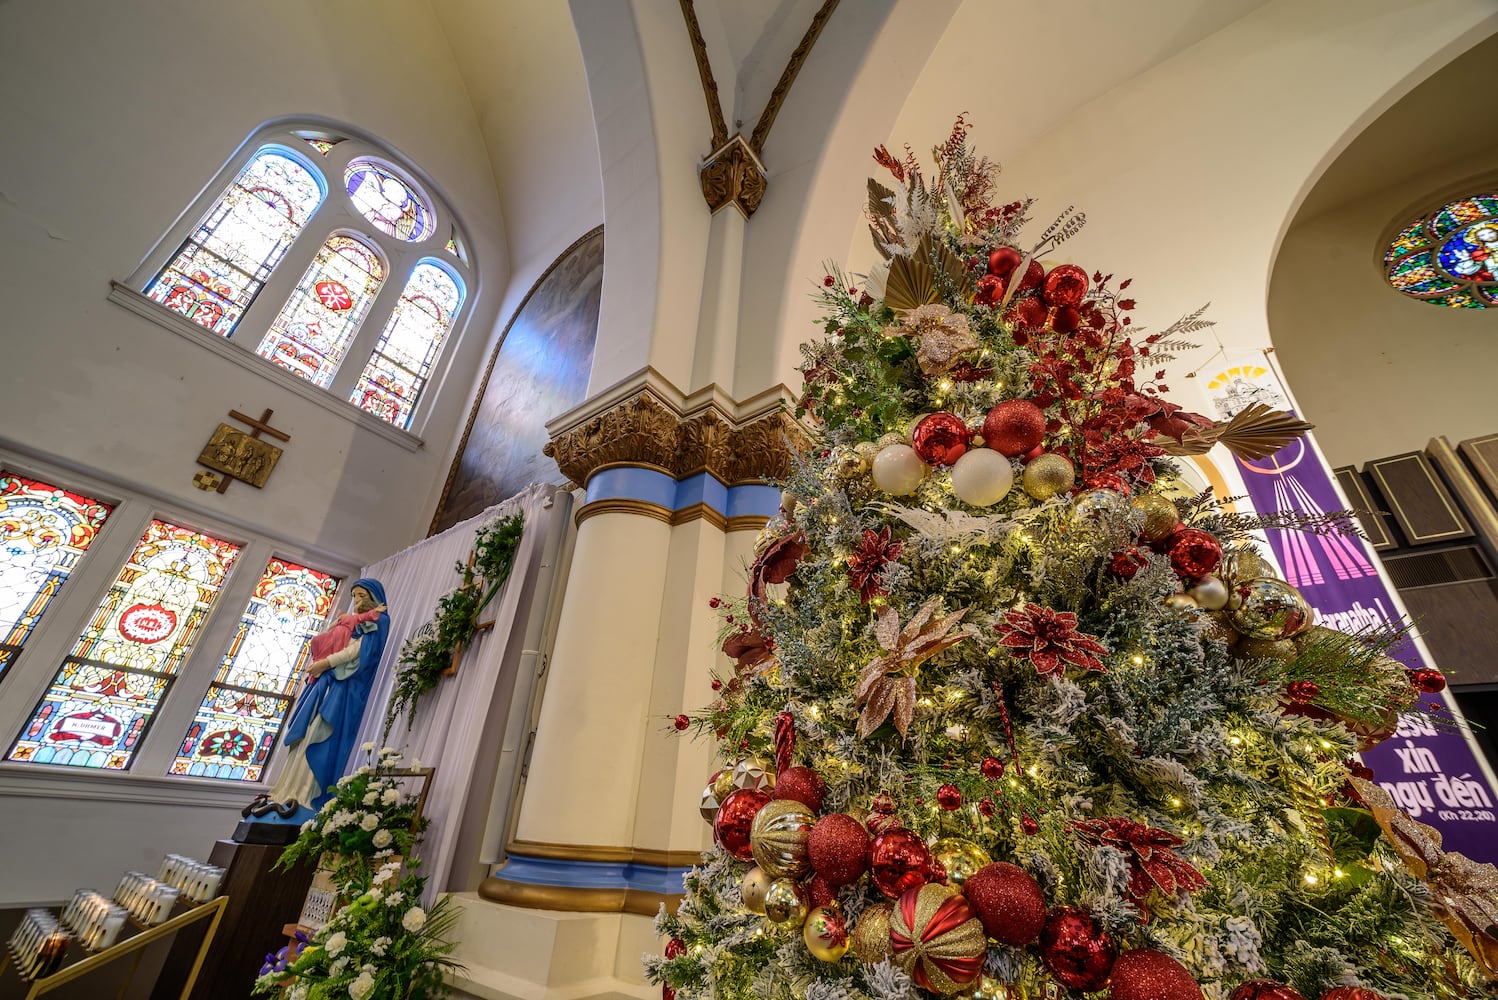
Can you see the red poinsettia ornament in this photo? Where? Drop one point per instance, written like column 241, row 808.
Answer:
column 876, row 551
column 774, row 565
column 1049, row 639
column 1152, row 862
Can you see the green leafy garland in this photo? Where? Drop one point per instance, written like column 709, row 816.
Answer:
column 430, row 650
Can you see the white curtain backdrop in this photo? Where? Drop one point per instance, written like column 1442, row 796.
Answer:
column 459, row 724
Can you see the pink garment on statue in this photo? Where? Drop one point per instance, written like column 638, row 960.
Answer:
column 340, row 633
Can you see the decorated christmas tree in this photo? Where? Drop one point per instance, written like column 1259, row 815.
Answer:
column 1012, row 713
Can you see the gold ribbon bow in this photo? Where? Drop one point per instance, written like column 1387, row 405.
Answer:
column 1466, row 893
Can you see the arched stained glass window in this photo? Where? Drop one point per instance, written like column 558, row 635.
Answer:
column 97, row 709
column 224, row 263
column 236, row 726
column 1449, row 257
column 44, row 531
column 392, row 381
column 387, row 202
column 319, row 320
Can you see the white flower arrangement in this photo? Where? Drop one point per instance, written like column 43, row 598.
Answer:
column 414, row 920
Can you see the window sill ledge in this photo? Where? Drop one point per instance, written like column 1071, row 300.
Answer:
column 148, row 308
column 121, row 786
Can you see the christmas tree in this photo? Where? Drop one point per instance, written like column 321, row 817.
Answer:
column 1014, row 715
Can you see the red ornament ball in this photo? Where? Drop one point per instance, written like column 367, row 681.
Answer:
column 1351, row 993
column 820, row 892
column 675, row 947
column 1107, row 481
column 735, row 817
column 883, row 803
column 1027, row 313
column 898, row 860
column 1265, row 989
column 1014, row 427
column 940, row 439
column 948, row 797
column 1003, row 261
column 1303, row 692
column 838, row 849
column 938, row 872
column 1194, row 553
column 986, row 807
column 667, row 993
column 992, row 768
column 803, row 785
column 1128, row 562
column 879, row 822
column 1066, row 285
column 682, row 723
column 1027, row 823
column 1146, row 974
column 990, row 291
column 1076, row 949
column 1429, row 681
column 1034, row 277
column 1065, row 319
column 1008, row 901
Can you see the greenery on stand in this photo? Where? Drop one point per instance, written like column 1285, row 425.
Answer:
column 430, row 650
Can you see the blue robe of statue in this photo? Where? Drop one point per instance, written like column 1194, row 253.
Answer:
column 339, row 704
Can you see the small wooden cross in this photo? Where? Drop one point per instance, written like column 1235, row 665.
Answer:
column 469, row 582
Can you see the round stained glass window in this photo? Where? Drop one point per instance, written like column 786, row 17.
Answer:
column 389, row 203
column 1449, row 257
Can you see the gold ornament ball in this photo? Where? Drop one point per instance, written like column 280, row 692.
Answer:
column 756, row 883
column 1181, row 603
column 1099, row 505
column 779, row 838
column 846, row 463
column 1272, row 609
column 1242, row 565
column 751, row 772
column 871, row 933
column 1266, row 649
column 1160, row 516
column 1048, row 475
column 723, row 786
column 826, row 934
column 992, row 989
column 961, row 859
column 708, row 806
column 1217, row 625
column 785, row 902
column 885, row 440
column 866, row 450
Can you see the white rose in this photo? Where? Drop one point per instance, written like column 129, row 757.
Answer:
column 369, row 822
column 382, row 838
column 414, row 920
column 361, row 987
column 371, row 797
column 391, row 796
column 335, row 943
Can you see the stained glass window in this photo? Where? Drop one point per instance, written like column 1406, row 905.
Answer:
column 388, row 202
column 221, row 268
column 236, row 726
column 319, row 320
column 44, row 531
column 393, row 379
column 1449, row 257
column 96, row 711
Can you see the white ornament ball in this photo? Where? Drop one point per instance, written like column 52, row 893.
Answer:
column 1210, row 593
column 982, row 477
column 898, row 470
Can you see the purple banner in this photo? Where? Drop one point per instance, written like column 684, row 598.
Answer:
column 1428, row 767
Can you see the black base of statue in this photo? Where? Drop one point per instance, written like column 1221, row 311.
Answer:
column 254, row 831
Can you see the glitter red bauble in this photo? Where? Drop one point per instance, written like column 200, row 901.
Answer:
column 1066, row 285
column 1027, row 823
column 1128, row 562
column 1003, row 261
column 1027, row 313
column 990, row 291
column 1427, row 680
column 682, row 723
column 992, row 768
column 1303, row 691
column 1107, row 481
column 1194, row 553
column 879, row 822
column 1014, row 427
column 735, row 817
column 1265, row 989
column 675, row 947
column 1351, row 993
column 986, row 807
column 1076, row 949
column 820, row 892
column 898, row 860
column 938, row 872
column 1146, row 974
column 940, row 439
column 803, row 785
column 883, row 803
column 1065, row 319
column 838, row 849
column 948, row 797
column 1008, row 901
column 1034, row 277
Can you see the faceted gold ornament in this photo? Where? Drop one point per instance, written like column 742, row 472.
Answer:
column 751, row 772
column 708, row 805
column 1160, row 516
column 961, row 859
column 785, row 902
column 826, row 934
column 779, row 838
column 871, row 933
column 1272, row 609
column 1048, row 475
column 756, row 883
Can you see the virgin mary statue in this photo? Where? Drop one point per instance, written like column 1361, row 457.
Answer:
column 324, row 724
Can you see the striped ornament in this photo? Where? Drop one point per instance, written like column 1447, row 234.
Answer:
column 936, row 939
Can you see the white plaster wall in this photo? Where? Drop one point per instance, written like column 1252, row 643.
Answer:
column 115, row 116
column 1380, row 373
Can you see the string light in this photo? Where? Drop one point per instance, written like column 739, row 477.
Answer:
column 1311, row 878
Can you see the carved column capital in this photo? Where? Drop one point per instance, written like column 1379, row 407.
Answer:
column 733, row 175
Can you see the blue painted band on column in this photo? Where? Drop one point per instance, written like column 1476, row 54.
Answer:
column 593, row 874
column 635, row 483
